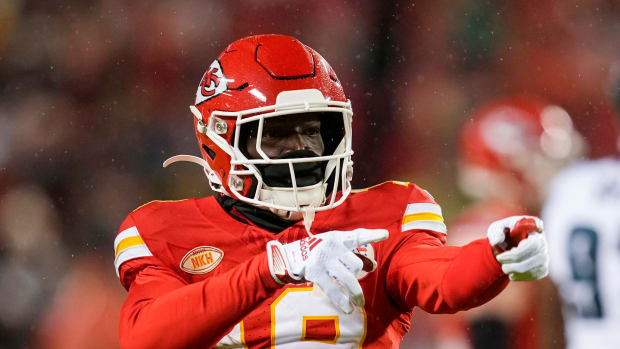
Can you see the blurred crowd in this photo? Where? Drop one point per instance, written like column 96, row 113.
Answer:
column 94, row 96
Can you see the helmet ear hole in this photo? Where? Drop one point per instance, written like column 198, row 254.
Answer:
column 209, row 151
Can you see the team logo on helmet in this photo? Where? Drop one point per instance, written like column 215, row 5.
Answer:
column 212, row 84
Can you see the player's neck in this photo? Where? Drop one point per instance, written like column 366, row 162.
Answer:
column 249, row 214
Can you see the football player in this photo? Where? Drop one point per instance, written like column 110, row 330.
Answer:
column 583, row 212
column 286, row 254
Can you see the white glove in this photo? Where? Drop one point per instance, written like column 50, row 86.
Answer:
column 520, row 247
column 327, row 260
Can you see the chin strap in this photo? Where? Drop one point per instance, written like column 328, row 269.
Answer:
column 308, row 214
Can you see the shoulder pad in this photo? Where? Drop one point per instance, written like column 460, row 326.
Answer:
column 135, row 235
column 412, row 206
column 389, row 186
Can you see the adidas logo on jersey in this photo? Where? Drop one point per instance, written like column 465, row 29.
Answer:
column 201, row 259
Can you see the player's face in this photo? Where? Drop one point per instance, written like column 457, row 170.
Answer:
column 288, row 133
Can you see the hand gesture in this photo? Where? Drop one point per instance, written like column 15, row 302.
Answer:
column 328, row 261
column 520, row 247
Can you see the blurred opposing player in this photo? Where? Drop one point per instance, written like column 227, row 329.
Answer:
column 500, row 145
column 286, row 255
column 583, row 218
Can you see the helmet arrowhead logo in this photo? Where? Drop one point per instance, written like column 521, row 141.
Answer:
column 209, row 79
column 213, row 83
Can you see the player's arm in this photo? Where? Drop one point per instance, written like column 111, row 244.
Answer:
column 163, row 311
column 443, row 279
column 423, row 272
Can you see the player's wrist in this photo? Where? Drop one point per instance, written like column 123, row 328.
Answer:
column 280, row 263
column 269, row 282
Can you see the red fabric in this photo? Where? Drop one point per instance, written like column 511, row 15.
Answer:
column 442, row 279
column 320, row 330
column 163, row 311
column 168, row 307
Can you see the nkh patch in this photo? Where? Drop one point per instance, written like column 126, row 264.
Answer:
column 201, row 259
column 213, row 83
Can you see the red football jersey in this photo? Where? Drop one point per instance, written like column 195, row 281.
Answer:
column 199, row 278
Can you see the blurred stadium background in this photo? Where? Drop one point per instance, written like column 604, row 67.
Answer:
column 94, row 96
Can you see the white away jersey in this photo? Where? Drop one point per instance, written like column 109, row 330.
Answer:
column 582, row 221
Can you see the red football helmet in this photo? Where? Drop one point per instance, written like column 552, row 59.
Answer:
column 512, row 147
column 261, row 77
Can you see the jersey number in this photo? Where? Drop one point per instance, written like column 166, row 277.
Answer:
column 299, row 315
column 583, row 249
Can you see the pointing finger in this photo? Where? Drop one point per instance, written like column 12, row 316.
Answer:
column 358, row 237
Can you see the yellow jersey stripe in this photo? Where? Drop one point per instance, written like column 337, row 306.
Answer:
column 422, row 217
column 131, row 231
column 129, row 242
column 242, row 334
column 153, row 201
column 132, row 252
column 425, row 225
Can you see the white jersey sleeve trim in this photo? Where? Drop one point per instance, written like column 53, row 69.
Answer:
column 423, row 208
column 426, row 225
column 129, row 245
column 130, row 253
column 423, row 215
column 129, row 232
